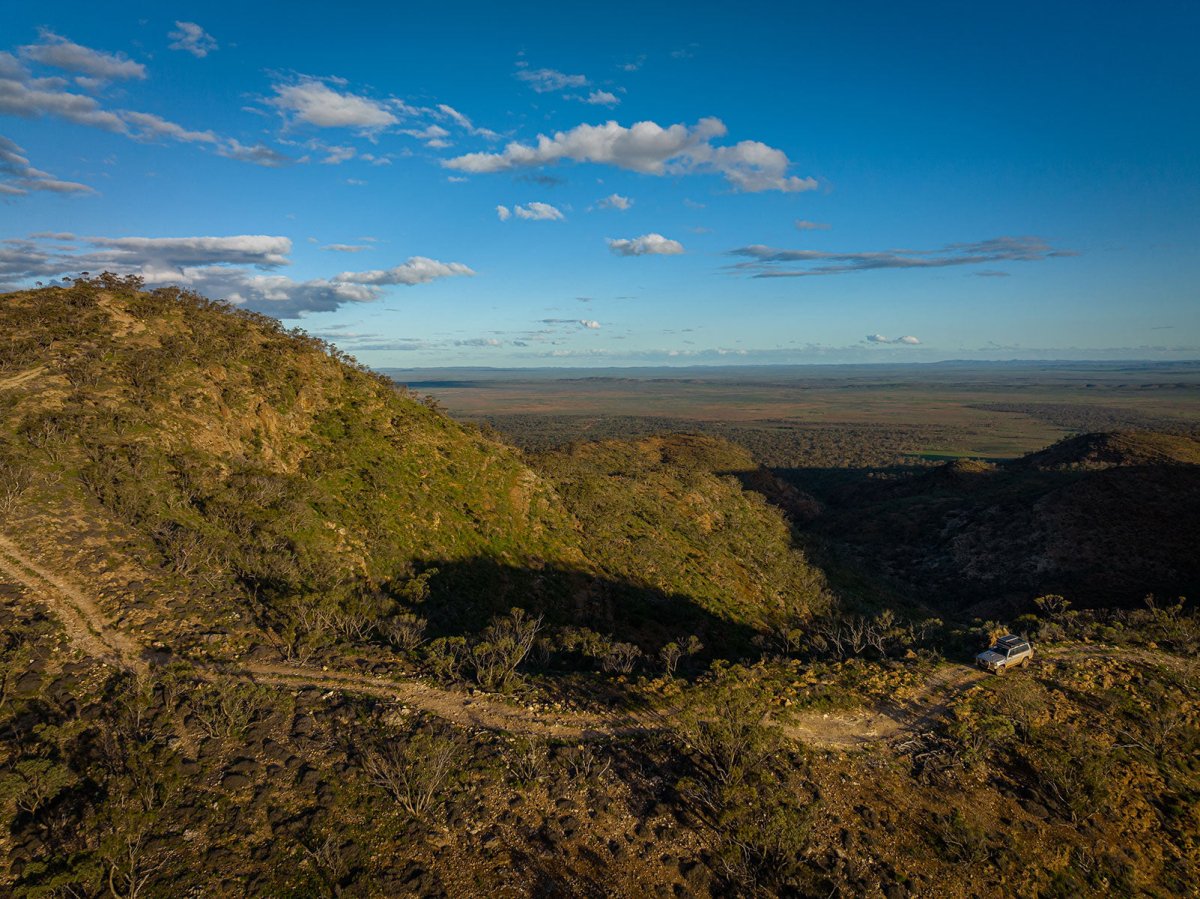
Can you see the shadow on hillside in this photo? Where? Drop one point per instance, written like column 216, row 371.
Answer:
column 960, row 538
column 464, row 595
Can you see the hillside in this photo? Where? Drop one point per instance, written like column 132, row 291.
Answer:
column 279, row 479
column 1104, row 519
column 270, row 626
column 673, row 514
column 1115, row 449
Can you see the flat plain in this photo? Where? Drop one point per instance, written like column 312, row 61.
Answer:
column 942, row 410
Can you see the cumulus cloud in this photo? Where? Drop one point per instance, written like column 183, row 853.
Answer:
column 61, row 53
column 503, row 213
column 590, row 323
column 906, row 341
column 546, row 81
column 417, row 270
column 615, row 201
column 191, row 38
column 276, row 295
column 602, row 98
column 768, row 262
column 646, row 245
column 646, row 147
column 20, row 178
column 538, row 212
column 313, row 102
column 345, row 248
column 806, row 225
column 240, row 269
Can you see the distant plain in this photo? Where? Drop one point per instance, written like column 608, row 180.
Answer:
column 943, row 410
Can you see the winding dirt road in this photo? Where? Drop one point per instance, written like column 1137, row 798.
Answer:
column 89, row 629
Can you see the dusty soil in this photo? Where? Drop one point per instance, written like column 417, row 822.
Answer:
column 93, row 634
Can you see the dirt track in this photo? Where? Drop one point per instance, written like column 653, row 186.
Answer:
column 88, row 628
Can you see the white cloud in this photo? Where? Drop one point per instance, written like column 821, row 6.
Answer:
column 32, row 98
column 433, row 135
column 590, row 323
column 615, row 201
column 259, row 154
column 338, row 155
column 11, row 67
column 546, row 81
column 769, row 262
column 538, row 212
column 602, row 98
column 22, row 178
column 258, row 250
column 345, row 248
column 751, row 166
column 192, row 39
column 312, row 101
column 503, row 213
column 805, row 225
column 417, row 270
column 150, row 126
column 647, row 147
column 646, row 245
column 908, row 340
column 218, row 267
column 23, row 95
column 449, row 112
column 61, row 53
column 275, row 295
column 480, row 341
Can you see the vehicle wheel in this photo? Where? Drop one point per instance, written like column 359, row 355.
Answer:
column 1025, row 662
column 1000, row 669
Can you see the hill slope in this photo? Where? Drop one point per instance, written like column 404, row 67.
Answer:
column 1102, row 518
column 264, row 471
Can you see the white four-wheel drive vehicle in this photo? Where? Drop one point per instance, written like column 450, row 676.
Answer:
column 1009, row 651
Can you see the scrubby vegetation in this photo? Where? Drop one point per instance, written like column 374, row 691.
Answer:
column 271, row 626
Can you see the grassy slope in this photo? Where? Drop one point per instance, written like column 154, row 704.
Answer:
column 670, row 513
column 254, row 458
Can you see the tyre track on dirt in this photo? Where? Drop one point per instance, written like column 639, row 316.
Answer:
column 86, row 625
column 89, row 629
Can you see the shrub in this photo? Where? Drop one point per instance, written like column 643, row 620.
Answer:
column 742, row 788
column 415, row 769
column 502, row 647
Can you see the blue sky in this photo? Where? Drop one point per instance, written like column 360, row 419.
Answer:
column 528, row 185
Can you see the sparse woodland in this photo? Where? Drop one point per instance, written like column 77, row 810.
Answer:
column 259, row 516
